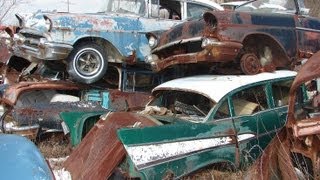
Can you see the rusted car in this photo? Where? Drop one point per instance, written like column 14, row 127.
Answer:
column 195, row 122
column 88, row 43
column 294, row 152
column 32, row 108
column 264, row 37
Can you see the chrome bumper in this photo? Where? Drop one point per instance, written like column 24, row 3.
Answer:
column 30, row 132
column 35, row 50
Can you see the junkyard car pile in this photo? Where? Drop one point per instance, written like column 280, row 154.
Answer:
column 81, row 74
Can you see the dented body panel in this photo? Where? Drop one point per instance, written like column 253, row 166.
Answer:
column 278, row 39
column 101, row 151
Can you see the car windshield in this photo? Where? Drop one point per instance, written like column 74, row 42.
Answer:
column 186, row 105
column 125, row 6
column 271, row 6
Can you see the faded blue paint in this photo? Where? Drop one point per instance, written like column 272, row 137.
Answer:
column 126, row 33
column 21, row 159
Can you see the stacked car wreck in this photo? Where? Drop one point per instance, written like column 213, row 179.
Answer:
column 256, row 36
column 113, row 82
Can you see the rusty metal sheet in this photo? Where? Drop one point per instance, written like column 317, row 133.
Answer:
column 226, row 51
column 310, row 70
column 13, row 92
column 274, row 162
column 100, row 151
column 128, row 101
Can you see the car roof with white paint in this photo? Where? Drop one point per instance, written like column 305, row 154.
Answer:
column 209, row 2
column 234, row 3
column 216, row 87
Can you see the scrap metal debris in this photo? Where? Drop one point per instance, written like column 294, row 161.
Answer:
column 101, row 147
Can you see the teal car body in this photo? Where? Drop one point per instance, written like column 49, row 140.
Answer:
column 244, row 114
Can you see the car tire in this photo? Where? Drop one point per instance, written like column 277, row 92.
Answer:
column 250, row 64
column 87, row 63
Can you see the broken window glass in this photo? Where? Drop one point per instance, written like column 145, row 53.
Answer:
column 223, row 111
column 280, row 91
column 184, row 103
column 127, row 6
column 250, row 100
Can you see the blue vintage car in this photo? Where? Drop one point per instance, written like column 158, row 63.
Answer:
column 21, row 159
column 87, row 43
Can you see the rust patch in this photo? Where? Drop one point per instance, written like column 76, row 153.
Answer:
column 13, row 92
column 100, row 151
column 223, row 52
column 128, row 101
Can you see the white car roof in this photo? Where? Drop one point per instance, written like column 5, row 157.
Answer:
column 210, row 2
column 216, row 87
column 234, row 3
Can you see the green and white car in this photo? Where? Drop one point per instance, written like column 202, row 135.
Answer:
column 207, row 120
column 197, row 121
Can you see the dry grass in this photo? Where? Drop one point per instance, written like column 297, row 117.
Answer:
column 54, row 146
column 213, row 172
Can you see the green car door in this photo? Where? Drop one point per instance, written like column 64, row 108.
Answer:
column 178, row 148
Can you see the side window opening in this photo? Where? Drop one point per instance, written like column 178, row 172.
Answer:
column 223, row 111
column 250, row 101
column 166, row 9
column 196, row 11
column 184, row 103
column 280, row 91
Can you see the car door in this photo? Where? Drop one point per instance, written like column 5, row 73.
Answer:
column 178, row 148
column 308, row 30
column 280, row 93
column 252, row 111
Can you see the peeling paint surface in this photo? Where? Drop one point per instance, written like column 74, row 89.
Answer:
column 148, row 155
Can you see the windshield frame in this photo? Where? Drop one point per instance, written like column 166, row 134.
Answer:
column 296, row 9
column 116, row 6
column 158, row 95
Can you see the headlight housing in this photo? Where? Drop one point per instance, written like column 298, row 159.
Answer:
column 208, row 41
column 153, row 42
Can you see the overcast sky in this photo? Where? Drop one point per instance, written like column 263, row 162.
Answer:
column 59, row 5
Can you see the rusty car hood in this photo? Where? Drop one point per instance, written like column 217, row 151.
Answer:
column 12, row 92
column 187, row 30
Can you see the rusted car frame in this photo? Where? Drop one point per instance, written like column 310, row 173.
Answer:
column 33, row 106
column 294, row 153
column 249, row 40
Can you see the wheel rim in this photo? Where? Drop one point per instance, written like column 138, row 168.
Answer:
column 250, row 64
column 88, row 62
